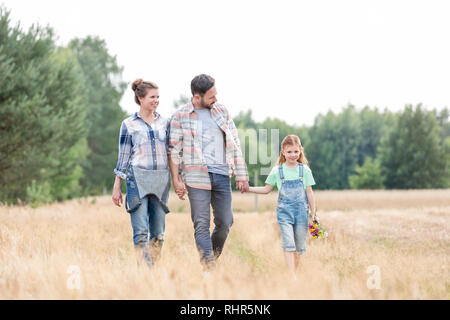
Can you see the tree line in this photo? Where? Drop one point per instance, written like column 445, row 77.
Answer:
column 60, row 116
column 369, row 148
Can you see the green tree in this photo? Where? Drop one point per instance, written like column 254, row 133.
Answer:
column 244, row 120
column 333, row 148
column 442, row 118
column 444, row 125
column 373, row 127
column 446, row 172
column 412, row 156
column 41, row 114
column 66, row 170
column 367, row 176
column 181, row 101
column 103, row 90
column 252, row 134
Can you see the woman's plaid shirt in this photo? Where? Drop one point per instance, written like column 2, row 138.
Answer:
column 142, row 145
column 185, row 146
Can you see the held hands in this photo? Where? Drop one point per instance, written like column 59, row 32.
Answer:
column 180, row 188
column 242, row 186
column 181, row 191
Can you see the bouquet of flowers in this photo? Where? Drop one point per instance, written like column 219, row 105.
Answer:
column 317, row 231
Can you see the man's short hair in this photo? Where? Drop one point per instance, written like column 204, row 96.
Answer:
column 201, row 83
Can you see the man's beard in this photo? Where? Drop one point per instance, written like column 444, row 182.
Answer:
column 203, row 104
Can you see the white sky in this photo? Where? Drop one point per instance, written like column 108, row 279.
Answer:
column 285, row 59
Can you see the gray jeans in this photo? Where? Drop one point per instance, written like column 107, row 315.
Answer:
column 210, row 246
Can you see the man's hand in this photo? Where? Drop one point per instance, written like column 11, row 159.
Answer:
column 242, row 186
column 180, row 188
column 117, row 197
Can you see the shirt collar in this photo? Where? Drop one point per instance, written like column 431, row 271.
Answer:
column 136, row 115
column 191, row 107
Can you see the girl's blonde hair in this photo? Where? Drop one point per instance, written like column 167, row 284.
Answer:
column 292, row 140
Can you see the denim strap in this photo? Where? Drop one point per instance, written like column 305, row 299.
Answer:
column 280, row 171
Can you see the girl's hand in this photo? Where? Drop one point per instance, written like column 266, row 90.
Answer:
column 261, row 190
column 242, row 186
column 315, row 217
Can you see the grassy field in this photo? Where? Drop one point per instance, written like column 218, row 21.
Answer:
column 382, row 245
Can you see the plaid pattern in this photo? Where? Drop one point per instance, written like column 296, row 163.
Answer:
column 185, row 146
column 142, row 145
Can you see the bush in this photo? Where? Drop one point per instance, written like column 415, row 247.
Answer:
column 368, row 176
column 39, row 194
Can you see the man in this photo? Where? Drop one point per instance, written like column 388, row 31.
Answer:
column 204, row 146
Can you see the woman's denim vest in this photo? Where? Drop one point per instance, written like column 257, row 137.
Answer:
column 143, row 182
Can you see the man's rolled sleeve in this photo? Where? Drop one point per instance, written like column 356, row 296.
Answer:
column 241, row 171
column 239, row 161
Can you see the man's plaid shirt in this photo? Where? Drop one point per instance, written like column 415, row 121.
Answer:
column 185, row 146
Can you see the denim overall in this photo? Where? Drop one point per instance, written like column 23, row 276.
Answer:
column 292, row 212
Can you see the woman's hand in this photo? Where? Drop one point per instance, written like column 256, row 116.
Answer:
column 117, row 196
column 315, row 217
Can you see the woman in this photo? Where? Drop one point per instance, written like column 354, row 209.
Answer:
column 143, row 164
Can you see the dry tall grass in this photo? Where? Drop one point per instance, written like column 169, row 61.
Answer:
column 404, row 233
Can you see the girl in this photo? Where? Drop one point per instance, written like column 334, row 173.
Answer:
column 294, row 179
column 143, row 163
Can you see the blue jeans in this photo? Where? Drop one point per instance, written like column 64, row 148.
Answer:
column 219, row 197
column 149, row 219
column 293, row 237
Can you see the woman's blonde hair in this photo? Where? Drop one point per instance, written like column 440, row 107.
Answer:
column 292, row 140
